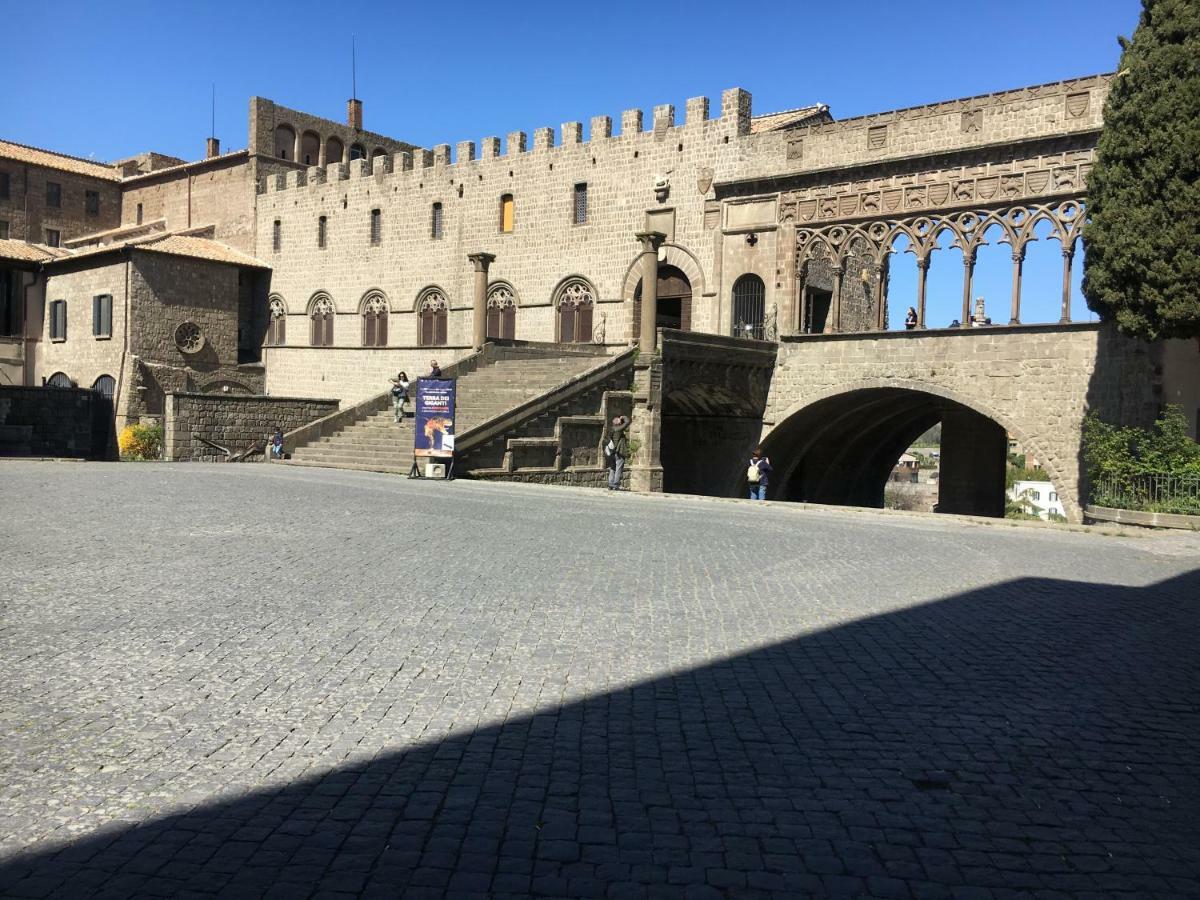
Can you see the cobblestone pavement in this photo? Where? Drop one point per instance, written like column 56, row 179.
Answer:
column 266, row 681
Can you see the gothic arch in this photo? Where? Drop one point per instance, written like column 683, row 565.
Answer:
column 370, row 301
column 499, row 286
column 427, row 292
column 276, row 305
column 676, row 255
column 322, row 299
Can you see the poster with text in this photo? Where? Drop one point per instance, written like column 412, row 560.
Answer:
column 434, row 432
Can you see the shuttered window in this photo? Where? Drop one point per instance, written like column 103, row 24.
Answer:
column 506, row 213
column 321, row 232
column 102, row 316
column 58, row 320
column 277, row 236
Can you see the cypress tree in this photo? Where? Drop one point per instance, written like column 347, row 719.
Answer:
column 1142, row 268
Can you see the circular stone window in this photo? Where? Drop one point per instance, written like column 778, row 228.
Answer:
column 189, row 338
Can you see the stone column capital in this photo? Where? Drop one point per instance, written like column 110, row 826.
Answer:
column 923, row 262
column 481, row 261
column 650, row 240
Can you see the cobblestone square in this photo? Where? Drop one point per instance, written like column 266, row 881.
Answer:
column 266, row 681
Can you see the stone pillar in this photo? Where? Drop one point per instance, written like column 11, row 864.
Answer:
column 481, row 262
column 650, row 241
column 322, row 155
column 645, row 468
column 1068, row 256
column 880, row 305
column 296, row 155
column 922, row 276
column 1018, row 258
column 834, row 323
column 968, row 284
column 974, row 450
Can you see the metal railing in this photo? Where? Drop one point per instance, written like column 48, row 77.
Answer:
column 1149, row 493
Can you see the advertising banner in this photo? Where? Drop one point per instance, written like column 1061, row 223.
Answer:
column 434, row 431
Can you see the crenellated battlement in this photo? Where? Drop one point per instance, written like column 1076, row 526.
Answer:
column 734, row 119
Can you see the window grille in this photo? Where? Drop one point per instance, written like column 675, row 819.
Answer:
column 749, row 307
column 581, row 204
column 376, row 226
column 277, row 236
column 437, row 221
column 321, row 232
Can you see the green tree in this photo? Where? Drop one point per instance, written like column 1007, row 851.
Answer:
column 1142, row 268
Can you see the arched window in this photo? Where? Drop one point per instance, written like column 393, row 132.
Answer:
column 749, row 307
column 376, row 153
column 433, row 316
column 334, row 149
column 575, row 304
column 357, row 151
column 285, row 142
column 501, row 312
column 60, row 380
column 105, row 386
column 310, row 148
column 276, row 322
column 321, row 315
column 375, row 321
column 506, row 213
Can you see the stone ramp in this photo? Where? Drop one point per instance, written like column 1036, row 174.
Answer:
column 502, row 382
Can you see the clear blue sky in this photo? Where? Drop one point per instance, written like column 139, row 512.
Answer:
column 106, row 80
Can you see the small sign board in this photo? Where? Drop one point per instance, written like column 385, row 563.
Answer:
column 433, row 435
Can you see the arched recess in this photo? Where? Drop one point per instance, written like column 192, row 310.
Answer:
column 334, row 151
column 373, row 310
column 840, row 445
column 501, row 311
column 671, row 255
column 285, row 141
column 357, row 151
column 60, row 380
column 310, row 148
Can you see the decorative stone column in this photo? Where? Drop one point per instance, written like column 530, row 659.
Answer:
column 1068, row 256
column 297, row 157
column 922, row 277
column 481, row 262
column 1018, row 258
column 648, row 334
column 834, row 323
column 968, row 285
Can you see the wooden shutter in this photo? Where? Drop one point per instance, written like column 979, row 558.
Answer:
column 426, row 328
column 439, row 320
column 368, row 329
column 97, row 312
column 583, row 324
column 508, row 323
column 566, row 323
column 381, row 325
column 493, row 322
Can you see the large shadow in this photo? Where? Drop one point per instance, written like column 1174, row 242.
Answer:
column 1037, row 735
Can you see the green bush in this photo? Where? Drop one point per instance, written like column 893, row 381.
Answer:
column 1151, row 470
column 140, row 442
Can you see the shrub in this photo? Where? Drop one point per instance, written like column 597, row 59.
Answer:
column 140, row 442
column 1155, row 470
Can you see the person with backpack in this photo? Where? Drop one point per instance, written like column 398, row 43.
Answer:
column 616, row 451
column 400, row 394
column 758, row 474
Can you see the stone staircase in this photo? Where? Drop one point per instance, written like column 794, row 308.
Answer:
column 501, row 381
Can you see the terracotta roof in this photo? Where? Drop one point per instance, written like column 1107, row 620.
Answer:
column 200, row 248
column 788, row 118
column 20, row 250
column 232, row 154
column 36, row 157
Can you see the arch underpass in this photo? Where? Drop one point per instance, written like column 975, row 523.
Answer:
column 841, row 450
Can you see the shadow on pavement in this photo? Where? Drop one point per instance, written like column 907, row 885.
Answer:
column 965, row 746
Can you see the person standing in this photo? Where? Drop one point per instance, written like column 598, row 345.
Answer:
column 400, row 394
column 910, row 320
column 435, row 371
column 758, row 474
column 616, row 451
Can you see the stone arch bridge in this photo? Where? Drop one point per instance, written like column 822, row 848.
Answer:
column 835, row 411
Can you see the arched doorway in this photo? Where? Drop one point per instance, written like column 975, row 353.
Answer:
column 842, row 450
column 674, row 301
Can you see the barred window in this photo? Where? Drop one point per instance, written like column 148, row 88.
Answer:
column 139, row 214
column 277, row 236
column 581, row 206
column 437, row 221
column 376, row 226
column 321, row 232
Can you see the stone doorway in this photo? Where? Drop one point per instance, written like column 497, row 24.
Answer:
column 674, row 301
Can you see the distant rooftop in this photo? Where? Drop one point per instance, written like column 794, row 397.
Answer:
column 790, row 118
column 35, row 156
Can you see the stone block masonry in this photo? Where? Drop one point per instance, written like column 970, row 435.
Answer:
column 233, row 422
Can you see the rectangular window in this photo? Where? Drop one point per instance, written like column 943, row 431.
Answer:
column 3, row 231
column 92, row 202
column 139, row 214
column 506, row 213
column 277, row 235
column 53, row 237
column 5, row 186
column 376, row 226
column 102, row 316
column 1053, row 497
column 58, row 320
column 437, row 221
column 580, row 204
column 321, row 232
column 54, row 194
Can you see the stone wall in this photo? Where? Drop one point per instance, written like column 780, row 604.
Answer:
column 352, row 374
column 61, row 422
column 235, row 423
column 1037, row 382
column 83, row 357
column 29, row 217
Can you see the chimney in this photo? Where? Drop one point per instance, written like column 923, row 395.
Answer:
column 212, row 147
column 354, row 114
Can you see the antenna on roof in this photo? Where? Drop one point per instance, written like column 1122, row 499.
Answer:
column 213, row 124
column 353, row 71
column 212, row 147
